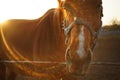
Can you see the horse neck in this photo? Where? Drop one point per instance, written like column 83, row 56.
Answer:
column 49, row 34
column 57, row 26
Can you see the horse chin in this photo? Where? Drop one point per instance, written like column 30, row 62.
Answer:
column 81, row 70
column 77, row 74
column 78, row 67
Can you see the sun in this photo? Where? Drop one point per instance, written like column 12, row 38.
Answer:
column 2, row 20
column 24, row 9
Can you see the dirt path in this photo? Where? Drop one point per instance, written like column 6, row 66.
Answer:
column 108, row 52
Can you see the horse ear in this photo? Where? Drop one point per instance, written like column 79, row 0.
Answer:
column 60, row 0
column 61, row 3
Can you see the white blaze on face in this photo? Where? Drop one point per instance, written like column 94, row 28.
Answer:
column 81, row 38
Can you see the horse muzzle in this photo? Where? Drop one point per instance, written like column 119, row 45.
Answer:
column 74, row 67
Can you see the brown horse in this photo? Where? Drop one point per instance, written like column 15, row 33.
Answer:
column 82, row 23
column 33, row 40
column 39, row 47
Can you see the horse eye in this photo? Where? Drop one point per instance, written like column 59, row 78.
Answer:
column 65, row 8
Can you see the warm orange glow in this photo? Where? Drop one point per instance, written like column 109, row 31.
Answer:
column 3, row 21
column 24, row 9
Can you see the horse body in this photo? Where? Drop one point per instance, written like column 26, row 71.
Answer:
column 37, row 38
column 19, row 34
column 33, row 40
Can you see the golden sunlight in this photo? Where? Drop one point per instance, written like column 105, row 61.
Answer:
column 24, row 9
column 2, row 20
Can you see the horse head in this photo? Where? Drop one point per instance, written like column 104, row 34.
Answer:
column 81, row 21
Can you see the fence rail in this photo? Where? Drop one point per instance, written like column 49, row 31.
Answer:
column 54, row 62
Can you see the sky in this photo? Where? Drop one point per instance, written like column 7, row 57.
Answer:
column 111, row 10
column 32, row 9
